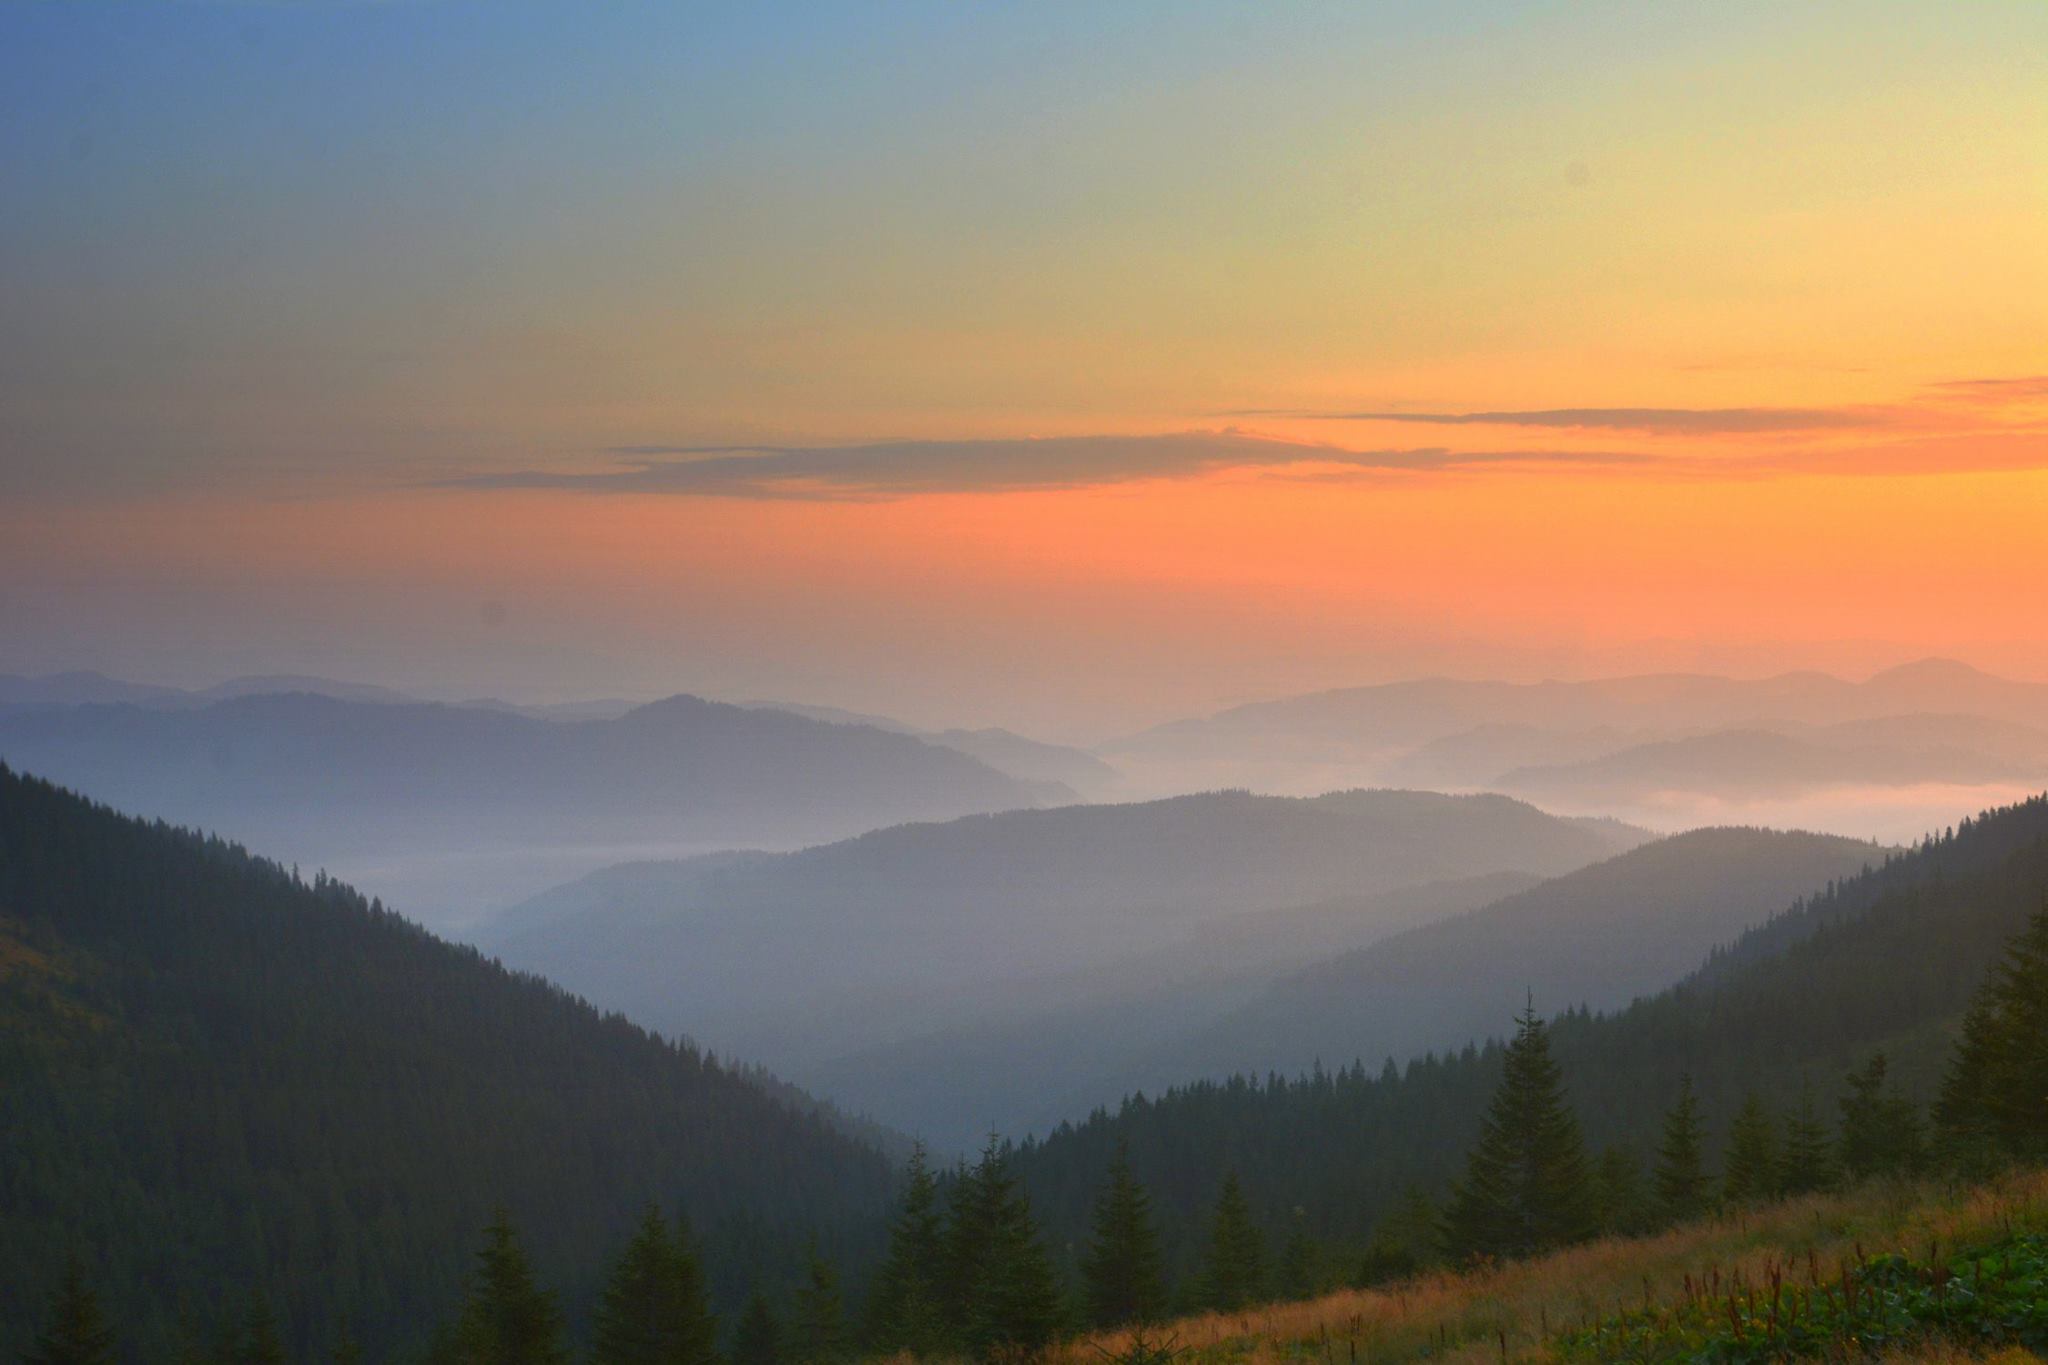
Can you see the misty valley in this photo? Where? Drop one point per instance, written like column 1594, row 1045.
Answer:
column 884, row 953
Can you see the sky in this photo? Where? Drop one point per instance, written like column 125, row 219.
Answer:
column 1064, row 366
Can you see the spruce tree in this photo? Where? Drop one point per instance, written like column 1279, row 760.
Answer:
column 1234, row 1271
column 1806, row 1162
column 1994, row 1100
column 1684, row 1189
column 1004, row 1295
column 817, row 1329
column 1621, row 1201
column 1526, row 1186
column 1122, row 1270
column 1750, row 1166
column 757, row 1339
column 507, row 1319
column 653, row 1311
column 903, row 1308
column 1407, row 1240
column 1881, row 1133
column 77, row 1333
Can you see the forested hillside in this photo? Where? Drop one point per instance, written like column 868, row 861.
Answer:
column 219, row 1078
column 1887, row 960
column 1600, row 937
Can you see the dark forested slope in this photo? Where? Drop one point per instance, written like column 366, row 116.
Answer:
column 214, row 1075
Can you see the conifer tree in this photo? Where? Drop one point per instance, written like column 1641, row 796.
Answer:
column 653, row 1311
column 507, row 1319
column 1004, row 1296
column 1526, row 1186
column 1750, row 1167
column 903, row 1308
column 1122, row 1270
column 1621, row 1201
column 1806, row 1162
column 1994, row 1100
column 77, row 1333
column 1234, row 1271
column 1407, row 1240
column 1881, row 1133
column 817, row 1334
column 757, row 1340
column 1684, row 1189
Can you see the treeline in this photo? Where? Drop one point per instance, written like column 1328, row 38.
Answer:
column 967, row 1272
column 215, row 1072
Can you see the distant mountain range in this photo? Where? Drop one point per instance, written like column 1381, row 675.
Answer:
column 1074, row 770
column 1910, row 748
column 806, row 959
column 494, row 802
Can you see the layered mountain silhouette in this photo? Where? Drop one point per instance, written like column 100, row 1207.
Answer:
column 495, row 802
column 803, row 958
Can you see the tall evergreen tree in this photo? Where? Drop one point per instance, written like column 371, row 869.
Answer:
column 653, row 1311
column 904, row 1312
column 817, row 1329
column 1994, row 1100
column 1881, row 1132
column 1526, row 1186
column 1806, row 1162
column 77, row 1333
column 1684, row 1189
column 1234, row 1271
column 1122, row 1272
column 507, row 1319
column 1750, row 1165
column 757, row 1340
column 1005, row 1297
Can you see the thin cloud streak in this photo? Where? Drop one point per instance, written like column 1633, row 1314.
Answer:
column 1657, row 421
column 895, row 469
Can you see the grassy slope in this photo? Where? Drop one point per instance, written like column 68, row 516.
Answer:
column 1518, row 1310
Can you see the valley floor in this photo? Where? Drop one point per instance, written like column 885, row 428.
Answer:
column 1542, row 1309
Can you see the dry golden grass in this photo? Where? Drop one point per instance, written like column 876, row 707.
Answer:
column 1513, row 1310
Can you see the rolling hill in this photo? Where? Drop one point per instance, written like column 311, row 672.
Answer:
column 806, row 957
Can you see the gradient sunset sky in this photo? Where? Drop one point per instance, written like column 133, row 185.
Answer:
column 1065, row 366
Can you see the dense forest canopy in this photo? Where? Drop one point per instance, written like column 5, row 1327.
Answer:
column 219, row 1076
